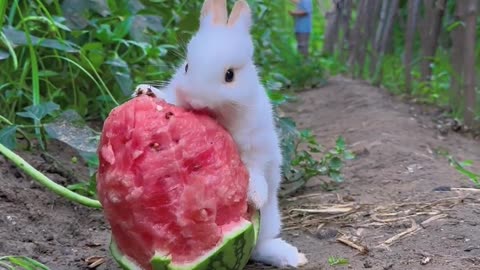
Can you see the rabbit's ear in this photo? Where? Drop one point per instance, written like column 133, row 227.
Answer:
column 215, row 12
column 241, row 15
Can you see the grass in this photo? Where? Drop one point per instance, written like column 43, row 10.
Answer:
column 337, row 261
column 462, row 168
column 26, row 263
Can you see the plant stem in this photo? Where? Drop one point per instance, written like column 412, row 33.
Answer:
column 34, row 75
column 6, row 266
column 4, row 119
column 3, row 9
column 47, row 182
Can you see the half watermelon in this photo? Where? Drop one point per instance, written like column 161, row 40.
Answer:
column 173, row 189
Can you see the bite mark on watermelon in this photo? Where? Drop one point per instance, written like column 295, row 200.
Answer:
column 173, row 189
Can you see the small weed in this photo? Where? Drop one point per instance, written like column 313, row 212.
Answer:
column 337, row 261
column 25, row 263
column 305, row 158
column 460, row 166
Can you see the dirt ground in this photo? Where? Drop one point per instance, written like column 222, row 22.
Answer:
column 397, row 209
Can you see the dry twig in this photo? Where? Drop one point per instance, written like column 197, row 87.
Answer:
column 394, row 238
column 466, row 189
column 344, row 240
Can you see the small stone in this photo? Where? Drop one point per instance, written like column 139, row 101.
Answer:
column 326, row 234
column 442, row 188
column 66, row 251
column 49, row 237
column 388, row 267
column 470, row 248
column 425, row 260
column 367, row 264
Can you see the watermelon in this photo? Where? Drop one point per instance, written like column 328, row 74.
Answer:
column 173, row 189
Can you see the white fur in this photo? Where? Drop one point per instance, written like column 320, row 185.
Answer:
column 244, row 109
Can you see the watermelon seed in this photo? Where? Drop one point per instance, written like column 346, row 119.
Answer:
column 155, row 146
column 168, row 115
column 196, row 167
column 203, row 215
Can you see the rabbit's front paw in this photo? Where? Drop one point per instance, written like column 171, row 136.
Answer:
column 279, row 253
column 257, row 191
column 144, row 89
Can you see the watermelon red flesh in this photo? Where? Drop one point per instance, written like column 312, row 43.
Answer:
column 169, row 181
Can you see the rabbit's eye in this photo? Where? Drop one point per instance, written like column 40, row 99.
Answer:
column 186, row 68
column 229, row 75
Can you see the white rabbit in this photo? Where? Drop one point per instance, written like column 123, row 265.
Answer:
column 219, row 75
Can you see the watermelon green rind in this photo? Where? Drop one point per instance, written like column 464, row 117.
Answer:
column 232, row 254
column 124, row 262
column 159, row 262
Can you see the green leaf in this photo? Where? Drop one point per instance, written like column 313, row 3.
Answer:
column 70, row 128
column 19, row 261
column 334, row 151
column 340, row 142
column 7, row 137
column 335, row 163
column 4, row 55
column 17, row 37
column 466, row 163
column 323, row 169
column 334, row 261
column 38, row 112
column 348, row 155
column 71, row 10
column 336, row 176
column 275, row 86
column 91, row 158
column 123, row 28
column 36, row 263
column 59, row 22
column 116, row 61
column 287, row 125
column 306, row 133
column 95, row 52
column 104, row 34
column 47, row 73
column 122, row 74
column 82, row 188
column 471, row 175
column 475, row 178
column 25, row 263
column 142, row 25
column 92, row 162
column 454, row 25
column 277, row 97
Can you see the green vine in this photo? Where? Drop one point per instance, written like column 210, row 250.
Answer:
column 47, row 182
